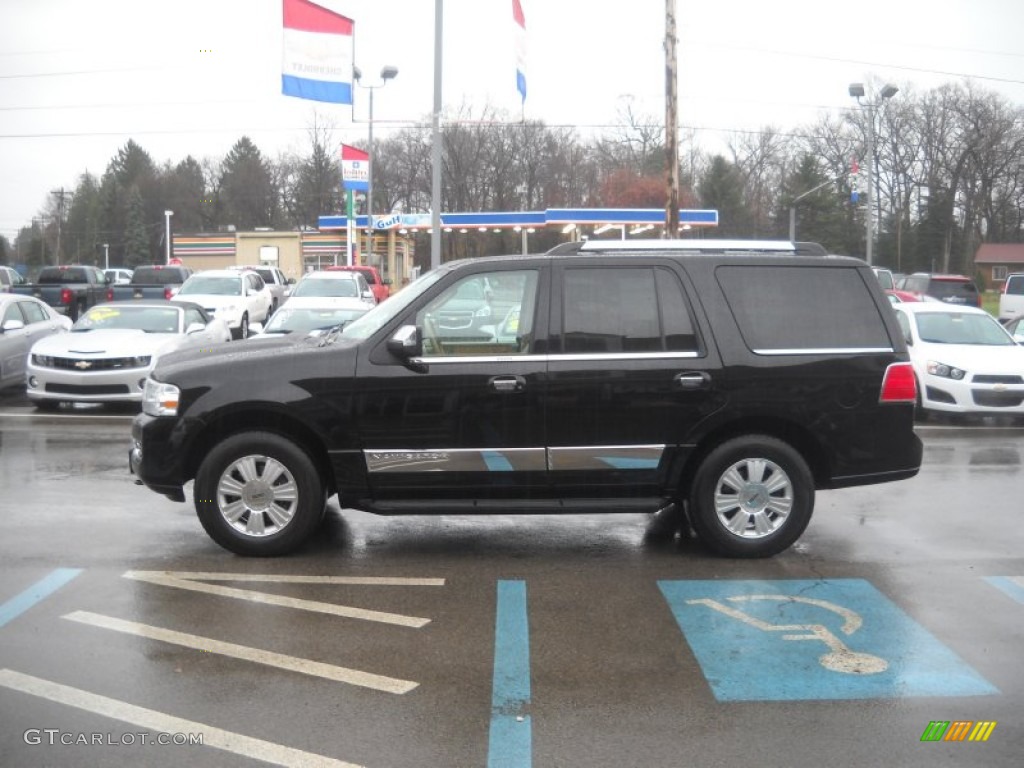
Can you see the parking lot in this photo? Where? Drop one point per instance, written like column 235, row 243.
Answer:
column 506, row 641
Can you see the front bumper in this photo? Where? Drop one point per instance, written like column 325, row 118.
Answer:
column 124, row 385
column 972, row 396
column 155, row 456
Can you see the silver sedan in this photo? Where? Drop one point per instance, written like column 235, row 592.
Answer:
column 24, row 320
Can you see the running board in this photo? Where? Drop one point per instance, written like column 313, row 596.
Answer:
column 646, row 505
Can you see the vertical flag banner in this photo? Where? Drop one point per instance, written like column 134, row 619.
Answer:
column 317, row 53
column 355, row 168
column 520, row 31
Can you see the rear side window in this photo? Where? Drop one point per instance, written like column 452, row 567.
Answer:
column 802, row 309
column 634, row 309
column 1015, row 285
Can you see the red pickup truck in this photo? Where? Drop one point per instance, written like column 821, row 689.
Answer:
column 381, row 289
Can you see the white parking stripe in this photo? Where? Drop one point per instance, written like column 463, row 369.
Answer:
column 269, row 658
column 229, row 741
column 157, row 577
column 385, row 581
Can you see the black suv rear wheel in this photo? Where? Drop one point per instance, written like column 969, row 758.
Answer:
column 259, row 494
column 751, row 497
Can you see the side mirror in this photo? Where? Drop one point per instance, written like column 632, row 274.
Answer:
column 108, row 280
column 368, row 295
column 194, row 328
column 12, row 325
column 290, row 281
column 406, row 342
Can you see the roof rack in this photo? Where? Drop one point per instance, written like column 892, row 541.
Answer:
column 688, row 246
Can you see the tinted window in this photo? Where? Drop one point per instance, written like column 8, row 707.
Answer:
column 946, row 288
column 1015, row 285
column 56, row 275
column 153, row 276
column 802, row 308
column 633, row 309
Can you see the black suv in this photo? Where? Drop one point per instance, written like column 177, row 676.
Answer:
column 732, row 379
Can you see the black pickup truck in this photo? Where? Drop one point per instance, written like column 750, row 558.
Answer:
column 153, row 282
column 68, row 288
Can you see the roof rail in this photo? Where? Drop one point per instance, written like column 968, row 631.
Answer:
column 692, row 246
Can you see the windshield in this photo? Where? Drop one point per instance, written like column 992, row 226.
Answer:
column 962, row 328
column 385, row 312
column 216, row 286
column 287, row 320
column 148, row 319
column 321, row 287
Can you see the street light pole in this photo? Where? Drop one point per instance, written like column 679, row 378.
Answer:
column 167, row 234
column 106, row 255
column 386, row 73
column 887, row 92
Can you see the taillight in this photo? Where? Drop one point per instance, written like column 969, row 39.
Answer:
column 899, row 384
column 110, row 294
column 65, row 296
column 168, row 293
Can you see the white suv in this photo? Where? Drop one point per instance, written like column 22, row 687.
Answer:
column 1011, row 300
column 238, row 297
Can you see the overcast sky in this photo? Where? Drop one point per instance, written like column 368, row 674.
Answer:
column 78, row 79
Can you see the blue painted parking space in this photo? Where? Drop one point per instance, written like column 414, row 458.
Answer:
column 812, row 640
column 1010, row 585
column 39, row 591
column 511, row 741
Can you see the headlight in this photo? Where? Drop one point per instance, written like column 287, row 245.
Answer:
column 43, row 361
column 484, row 311
column 945, row 371
column 141, row 362
column 160, row 399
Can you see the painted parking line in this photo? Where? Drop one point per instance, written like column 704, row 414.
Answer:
column 228, row 741
column 1011, row 585
column 246, row 653
column 511, row 741
column 18, row 604
column 197, row 583
column 812, row 640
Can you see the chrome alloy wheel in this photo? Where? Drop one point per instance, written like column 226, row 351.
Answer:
column 257, row 496
column 753, row 498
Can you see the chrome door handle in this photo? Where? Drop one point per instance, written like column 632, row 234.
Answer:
column 693, row 380
column 507, row 383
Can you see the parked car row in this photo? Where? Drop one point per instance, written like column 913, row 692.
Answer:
column 113, row 345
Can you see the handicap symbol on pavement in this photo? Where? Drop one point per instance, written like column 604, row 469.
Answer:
column 793, row 640
column 839, row 658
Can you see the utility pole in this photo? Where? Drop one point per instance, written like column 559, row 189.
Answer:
column 60, row 217
column 671, row 124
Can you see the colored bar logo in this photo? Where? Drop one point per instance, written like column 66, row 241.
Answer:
column 958, row 730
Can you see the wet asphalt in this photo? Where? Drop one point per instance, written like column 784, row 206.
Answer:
column 378, row 644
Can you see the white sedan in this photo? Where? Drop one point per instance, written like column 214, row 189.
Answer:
column 112, row 348
column 965, row 361
column 237, row 298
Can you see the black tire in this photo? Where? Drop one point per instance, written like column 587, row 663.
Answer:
column 774, row 497
column 243, row 327
column 275, row 510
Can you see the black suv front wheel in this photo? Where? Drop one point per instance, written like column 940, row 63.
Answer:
column 259, row 494
column 752, row 496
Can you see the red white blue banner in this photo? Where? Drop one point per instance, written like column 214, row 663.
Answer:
column 317, row 53
column 520, row 32
column 355, row 168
